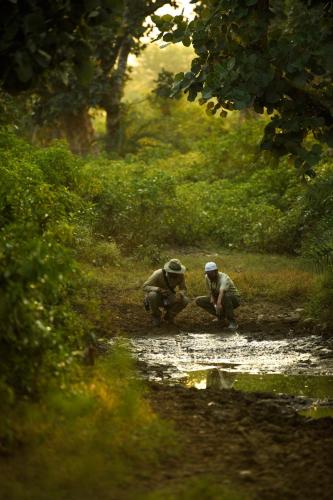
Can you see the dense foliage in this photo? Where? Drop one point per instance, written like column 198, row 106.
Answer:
column 39, row 211
column 38, row 35
column 69, row 57
column 272, row 55
column 213, row 186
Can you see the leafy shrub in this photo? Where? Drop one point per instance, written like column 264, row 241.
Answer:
column 38, row 213
column 135, row 204
column 317, row 244
column 100, row 253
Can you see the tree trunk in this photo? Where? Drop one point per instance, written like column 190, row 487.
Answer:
column 112, row 102
column 78, row 131
column 76, row 128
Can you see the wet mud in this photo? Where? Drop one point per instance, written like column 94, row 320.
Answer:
column 242, row 407
column 248, row 440
column 252, row 432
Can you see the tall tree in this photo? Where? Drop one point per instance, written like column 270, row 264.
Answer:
column 65, row 98
column 72, row 56
column 275, row 56
column 36, row 35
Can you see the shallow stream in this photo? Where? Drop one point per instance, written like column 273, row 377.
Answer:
column 295, row 366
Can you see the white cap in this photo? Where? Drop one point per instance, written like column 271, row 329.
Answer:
column 210, row 266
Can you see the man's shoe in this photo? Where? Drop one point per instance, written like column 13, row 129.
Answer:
column 156, row 321
column 232, row 326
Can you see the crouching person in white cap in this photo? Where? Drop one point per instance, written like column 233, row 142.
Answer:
column 161, row 293
column 223, row 296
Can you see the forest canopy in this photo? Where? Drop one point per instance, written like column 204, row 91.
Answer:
column 273, row 56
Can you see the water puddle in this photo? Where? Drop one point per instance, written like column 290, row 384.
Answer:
column 301, row 367
column 314, row 392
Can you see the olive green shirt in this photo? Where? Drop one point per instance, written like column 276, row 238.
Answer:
column 156, row 281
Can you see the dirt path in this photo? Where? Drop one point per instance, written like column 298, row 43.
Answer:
column 248, row 440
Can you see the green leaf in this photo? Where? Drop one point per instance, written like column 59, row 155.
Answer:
column 178, row 77
column 231, row 63
column 316, row 149
column 42, row 58
column 168, row 37
column 167, row 18
column 207, row 93
column 85, row 72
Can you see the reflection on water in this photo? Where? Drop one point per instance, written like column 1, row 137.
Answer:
column 314, row 387
column 219, row 379
column 317, row 412
column 311, row 386
column 301, row 366
column 184, row 352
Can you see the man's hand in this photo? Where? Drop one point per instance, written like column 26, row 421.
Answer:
column 219, row 309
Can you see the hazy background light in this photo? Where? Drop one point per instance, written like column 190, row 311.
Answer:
column 184, row 5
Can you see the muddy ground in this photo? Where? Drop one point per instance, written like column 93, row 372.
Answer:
column 248, row 440
column 263, row 319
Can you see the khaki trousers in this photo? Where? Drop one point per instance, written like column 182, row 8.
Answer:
column 171, row 303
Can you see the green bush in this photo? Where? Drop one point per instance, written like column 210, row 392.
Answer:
column 135, row 204
column 38, row 215
column 100, row 253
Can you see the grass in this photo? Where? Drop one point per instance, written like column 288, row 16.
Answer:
column 203, row 488
column 258, row 277
column 95, row 441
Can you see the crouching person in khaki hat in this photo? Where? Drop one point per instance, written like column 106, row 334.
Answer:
column 223, row 296
column 161, row 292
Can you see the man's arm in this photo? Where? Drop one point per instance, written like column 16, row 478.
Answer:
column 219, row 302
column 152, row 283
column 209, row 290
column 182, row 285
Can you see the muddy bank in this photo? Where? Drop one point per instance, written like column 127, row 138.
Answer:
column 261, row 319
column 252, row 440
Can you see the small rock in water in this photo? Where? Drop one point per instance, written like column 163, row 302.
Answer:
column 245, row 473
column 292, row 318
column 260, row 317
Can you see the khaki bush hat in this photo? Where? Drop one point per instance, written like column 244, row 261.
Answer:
column 174, row 266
